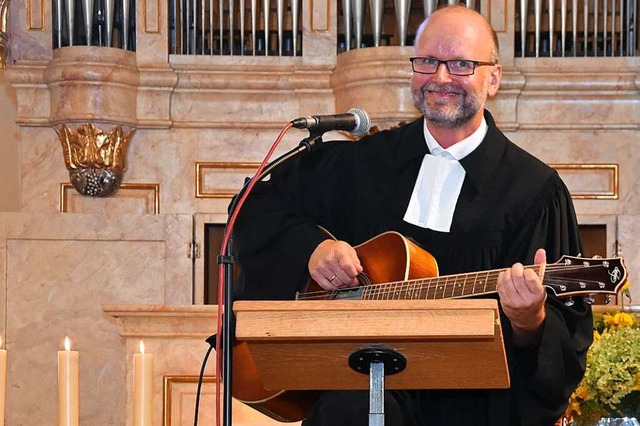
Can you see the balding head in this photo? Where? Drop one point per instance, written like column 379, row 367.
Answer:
column 462, row 21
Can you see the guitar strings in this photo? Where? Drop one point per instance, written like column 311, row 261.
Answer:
column 423, row 288
column 434, row 288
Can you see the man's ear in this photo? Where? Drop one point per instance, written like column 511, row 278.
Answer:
column 494, row 80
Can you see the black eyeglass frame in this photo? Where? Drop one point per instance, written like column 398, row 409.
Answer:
column 446, row 63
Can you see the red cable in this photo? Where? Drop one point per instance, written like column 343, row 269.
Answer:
column 223, row 252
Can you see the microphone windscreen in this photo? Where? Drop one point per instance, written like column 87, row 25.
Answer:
column 363, row 122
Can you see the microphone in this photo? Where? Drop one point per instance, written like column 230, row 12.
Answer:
column 355, row 121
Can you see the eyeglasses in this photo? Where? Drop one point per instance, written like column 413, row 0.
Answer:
column 455, row 66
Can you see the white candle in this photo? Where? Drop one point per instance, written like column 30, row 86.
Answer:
column 67, row 386
column 142, row 387
column 3, row 381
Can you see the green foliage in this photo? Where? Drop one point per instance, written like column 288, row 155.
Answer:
column 611, row 385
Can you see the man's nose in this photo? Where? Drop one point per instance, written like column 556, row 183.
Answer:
column 442, row 73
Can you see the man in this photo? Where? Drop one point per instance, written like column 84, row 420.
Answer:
column 454, row 184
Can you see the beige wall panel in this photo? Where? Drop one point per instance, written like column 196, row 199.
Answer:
column 55, row 289
column 629, row 229
column 59, row 270
column 42, row 169
column 578, row 110
column 9, row 148
column 28, row 41
column 591, row 147
column 194, row 107
column 32, row 94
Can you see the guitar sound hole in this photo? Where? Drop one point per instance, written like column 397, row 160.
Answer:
column 364, row 279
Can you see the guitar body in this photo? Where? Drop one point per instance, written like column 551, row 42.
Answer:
column 391, row 257
column 283, row 406
column 385, row 258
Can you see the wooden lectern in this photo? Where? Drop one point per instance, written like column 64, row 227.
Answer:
column 307, row 345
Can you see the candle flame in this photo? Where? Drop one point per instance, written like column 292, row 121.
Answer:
column 141, row 347
column 67, row 344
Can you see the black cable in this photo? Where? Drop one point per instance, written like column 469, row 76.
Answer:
column 211, row 340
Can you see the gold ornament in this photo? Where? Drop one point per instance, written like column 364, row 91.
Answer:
column 95, row 160
column 4, row 33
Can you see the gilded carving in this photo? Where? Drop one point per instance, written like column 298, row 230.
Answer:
column 95, row 160
column 4, row 32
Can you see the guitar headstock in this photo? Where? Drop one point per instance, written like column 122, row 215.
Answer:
column 578, row 276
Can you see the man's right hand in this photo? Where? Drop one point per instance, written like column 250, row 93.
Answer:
column 334, row 264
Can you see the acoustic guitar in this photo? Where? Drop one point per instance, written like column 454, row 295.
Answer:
column 395, row 268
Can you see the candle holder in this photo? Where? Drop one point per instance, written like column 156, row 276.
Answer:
column 96, row 160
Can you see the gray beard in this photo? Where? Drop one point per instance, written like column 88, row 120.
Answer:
column 447, row 119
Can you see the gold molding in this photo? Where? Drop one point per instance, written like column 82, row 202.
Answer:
column 4, row 33
column 64, row 186
column 201, row 166
column 168, row 382
column 35, row 15
column 151, row 16
column 327, row 17
column 487, row 10
column 614, row 169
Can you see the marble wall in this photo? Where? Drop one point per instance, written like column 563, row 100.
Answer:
column 9, row 160
column 110, row 271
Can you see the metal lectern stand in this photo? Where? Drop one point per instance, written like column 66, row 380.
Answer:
column 378, row 362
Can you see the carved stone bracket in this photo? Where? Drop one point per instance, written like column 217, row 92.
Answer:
column 93, row 89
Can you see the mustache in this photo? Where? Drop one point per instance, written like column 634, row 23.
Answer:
column 443, row 88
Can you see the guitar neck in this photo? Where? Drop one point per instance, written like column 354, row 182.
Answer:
column 434, row 288
column 570, row 276
column 445, row 287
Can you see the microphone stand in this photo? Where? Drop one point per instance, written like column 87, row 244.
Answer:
column 307, row 144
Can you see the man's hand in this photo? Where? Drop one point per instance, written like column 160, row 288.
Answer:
column 522, row 297
column 334, row 264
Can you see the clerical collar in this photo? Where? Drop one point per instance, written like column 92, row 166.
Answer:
column 460, row 149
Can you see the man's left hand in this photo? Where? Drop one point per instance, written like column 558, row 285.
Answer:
column 522, row 297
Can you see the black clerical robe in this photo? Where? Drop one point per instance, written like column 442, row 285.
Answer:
column 510, row 204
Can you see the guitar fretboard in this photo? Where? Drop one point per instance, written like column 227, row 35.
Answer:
column 445, row 287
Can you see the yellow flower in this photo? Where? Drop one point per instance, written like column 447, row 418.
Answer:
column 573, row 409
column 618, row 321
column 582, row 392
column 596, row 335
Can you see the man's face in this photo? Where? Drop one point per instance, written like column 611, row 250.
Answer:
column 450, row 101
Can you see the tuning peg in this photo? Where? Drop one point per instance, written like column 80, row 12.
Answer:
column 607, row 298
column 569, row 302
column 590, row 299
column 596, row 256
